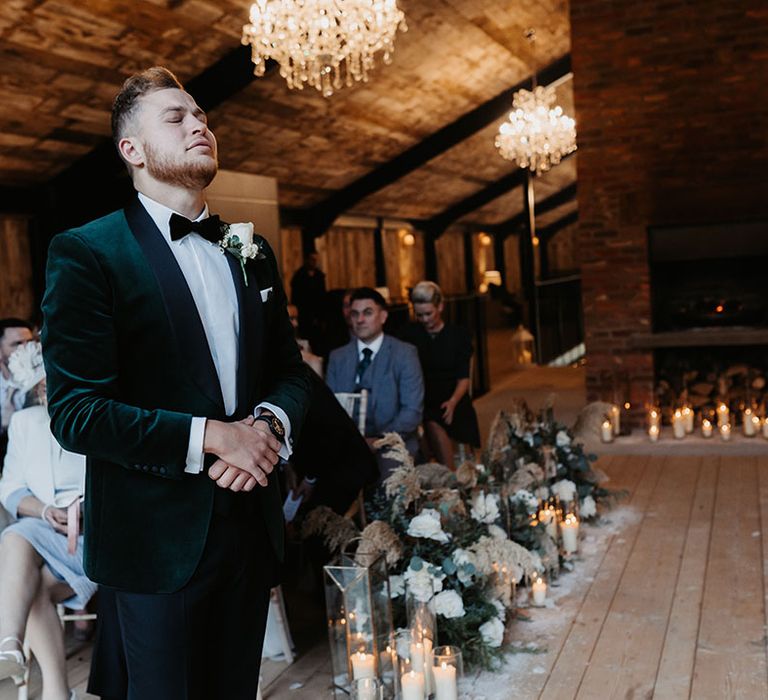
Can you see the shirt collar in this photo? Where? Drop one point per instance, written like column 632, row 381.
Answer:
column 374, row 345
column 161, row 215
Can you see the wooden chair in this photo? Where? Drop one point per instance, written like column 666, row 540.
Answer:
column 356, row 403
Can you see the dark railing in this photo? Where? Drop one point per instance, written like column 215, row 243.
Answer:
column 559, row 319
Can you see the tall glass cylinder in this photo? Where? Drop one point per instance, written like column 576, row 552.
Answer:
column 359, row 617
column 422, row 624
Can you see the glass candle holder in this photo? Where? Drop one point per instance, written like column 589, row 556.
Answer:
column 367, row 689
column 447, row 672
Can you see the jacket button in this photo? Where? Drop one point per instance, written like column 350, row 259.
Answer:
column 145, row 467
column 162, row 470
column 154, row 469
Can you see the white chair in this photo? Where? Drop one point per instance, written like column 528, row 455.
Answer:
column 351, row 401
column 356, row 403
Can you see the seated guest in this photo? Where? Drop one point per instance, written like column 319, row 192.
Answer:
column 13, row 333
column 37, row 568
column 387, row 367
column 445, row 352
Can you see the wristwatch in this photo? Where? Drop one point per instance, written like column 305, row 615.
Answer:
column 275, row 426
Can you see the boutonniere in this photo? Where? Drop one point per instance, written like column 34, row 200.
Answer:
column 238, row 240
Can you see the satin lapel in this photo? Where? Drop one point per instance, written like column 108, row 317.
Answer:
column 179, row 304
column 251, row 314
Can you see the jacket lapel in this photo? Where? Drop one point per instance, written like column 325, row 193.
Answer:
column 179, row 304
column 251, row 315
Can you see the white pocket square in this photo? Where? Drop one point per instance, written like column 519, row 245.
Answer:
column 266, row 293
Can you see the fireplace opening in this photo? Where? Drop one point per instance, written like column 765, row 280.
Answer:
column 709, row 276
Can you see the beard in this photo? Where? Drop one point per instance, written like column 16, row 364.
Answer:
column 194, row 174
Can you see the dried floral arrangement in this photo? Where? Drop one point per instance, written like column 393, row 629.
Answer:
column 461, row 540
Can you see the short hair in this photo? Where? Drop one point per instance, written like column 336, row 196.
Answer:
column 134, row 88
column 426, row 292
column 6, row 323
column 369, row 293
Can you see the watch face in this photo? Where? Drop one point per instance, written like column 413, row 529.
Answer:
column 277, row 427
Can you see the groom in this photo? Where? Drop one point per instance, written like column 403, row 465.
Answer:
column 173, row 367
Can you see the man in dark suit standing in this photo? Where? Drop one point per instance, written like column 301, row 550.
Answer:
column 386, row 367
column 172, row 365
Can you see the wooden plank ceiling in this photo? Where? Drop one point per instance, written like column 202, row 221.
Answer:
column 61, row 63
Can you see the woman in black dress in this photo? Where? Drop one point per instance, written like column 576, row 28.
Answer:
column 445, row 352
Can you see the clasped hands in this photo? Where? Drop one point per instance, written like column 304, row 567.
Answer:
column 247, row 453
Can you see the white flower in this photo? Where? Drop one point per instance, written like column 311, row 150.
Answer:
column 485, row 509
column 528, row 438
column 427, row 525
column 562, row 439
column 26, row 366
column 565, row 489
column 496, row 532
column 461, row 557
column 422, row 585
column 243, row 232
column 396, row 586
column 492, row 632
column 449, row 604
column 542, row 492
column 250, row 250
column 527, row 499
column 588, row 507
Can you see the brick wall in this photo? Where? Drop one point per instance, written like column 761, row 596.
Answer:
column 672, row 119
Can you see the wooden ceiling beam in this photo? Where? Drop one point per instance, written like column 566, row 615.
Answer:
column 319, row 217
column 436, row 225
column 547, row 233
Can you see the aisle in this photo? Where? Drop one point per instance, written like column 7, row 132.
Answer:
column 668, row 601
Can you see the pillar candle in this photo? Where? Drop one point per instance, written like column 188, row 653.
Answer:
column 616, row 419
column 723, row 415
column 653, row 433
column 446, row 687
column 362, row 666
column 654, row 417
column 706, row 428
column 606, row 431
column 688, row 416
column 412, row 684
column 747, row 425
column 539, row 591
column 678, row 424
column 725, row 431
column 367, row 689
column 569, row 529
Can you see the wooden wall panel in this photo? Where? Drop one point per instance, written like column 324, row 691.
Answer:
column 346, row 257
column 404, row 263
column 450, row 262
column 291, row 256
column 17, row 296
column 563, row 252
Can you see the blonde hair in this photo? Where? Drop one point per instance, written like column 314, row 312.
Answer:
column 426, row 292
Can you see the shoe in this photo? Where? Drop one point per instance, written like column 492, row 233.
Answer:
column 12, row 662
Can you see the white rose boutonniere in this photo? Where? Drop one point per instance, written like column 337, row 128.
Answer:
column 238, row 240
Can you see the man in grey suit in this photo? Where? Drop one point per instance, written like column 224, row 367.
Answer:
column 387, row 367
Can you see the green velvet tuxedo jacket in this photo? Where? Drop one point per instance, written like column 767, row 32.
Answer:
column 128, row 366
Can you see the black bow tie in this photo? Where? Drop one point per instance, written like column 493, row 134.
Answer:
column 209, row 228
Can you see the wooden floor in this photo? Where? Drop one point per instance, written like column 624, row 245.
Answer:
column 676, row 607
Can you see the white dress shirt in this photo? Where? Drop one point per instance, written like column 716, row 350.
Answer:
column 374, row 346
column 209, row 278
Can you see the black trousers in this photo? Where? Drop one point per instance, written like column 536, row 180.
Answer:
column 202, row 642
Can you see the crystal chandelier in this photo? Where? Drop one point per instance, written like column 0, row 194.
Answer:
column 537, row 134
column 325, row 43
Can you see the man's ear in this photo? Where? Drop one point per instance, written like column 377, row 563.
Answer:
column 131, row 151
column 384, row 314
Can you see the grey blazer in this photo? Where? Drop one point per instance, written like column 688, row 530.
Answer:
column 394, row 380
